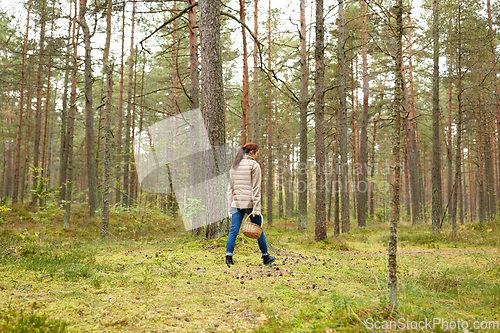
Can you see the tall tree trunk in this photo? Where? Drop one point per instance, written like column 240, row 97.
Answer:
column 108, row 71
column 38, row 115
column 398, row 96
column 71, row 127
column 415, row 172
column 47, row 104
column 89, row 113
column 17, row 152
column 458, row 156
column 269, row 157
column 118, row 184
column 25, row 171
column 495, row 81
column 255, row 116
column 126, row 155
column 342, row 136
column 63, row 167
column 302, row 188
column 449, row 142
column 480, row 162
column 319, row 138
column 436, row 143
column 363, row 155
column 212, row 91
column 245, row 101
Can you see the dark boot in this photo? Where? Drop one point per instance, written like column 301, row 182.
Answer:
column 229, row 261
column 268, row 259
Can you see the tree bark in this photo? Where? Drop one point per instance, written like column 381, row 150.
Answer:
column 89, row 113
column 63, row 167
column 342, row 137
column 17, row 152
column 436, row 143
column 398, row 96
column 319, row 138
column 126, row 156
column 212, row 92
column 302, row 170
column 269, row 157
column 245, row 100
column 119, row 166
column 363, row 155
column 255, row 116
column 108, row 71
column 71, row 127
column 38, row 114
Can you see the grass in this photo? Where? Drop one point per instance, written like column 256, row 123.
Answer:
column 151, row 276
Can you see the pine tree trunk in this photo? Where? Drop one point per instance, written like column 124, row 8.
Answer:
column 108, row 71
column 38, row 115
column 118, row 184
column 302, row 170
column 25, row 171
column 319, row 138
column 436, row 143
column 269, row 155
column 458, row 154
column 245, row 100
column 126, row 155
column 255, row 116
column 89, row 113
column 449, row 143
column 63, row 166
column 47, row 104
column 17, row 152
column 71, row 126
column 342, row 136
column 363, row 154
column 212, row 94
column 398, row 96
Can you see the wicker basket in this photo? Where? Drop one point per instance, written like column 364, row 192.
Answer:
column 250, row 229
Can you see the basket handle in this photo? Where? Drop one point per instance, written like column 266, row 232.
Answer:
column 246, row 219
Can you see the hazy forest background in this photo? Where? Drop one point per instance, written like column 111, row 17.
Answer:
column 367, row 114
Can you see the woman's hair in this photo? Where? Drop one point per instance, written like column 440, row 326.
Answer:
column 249, row 147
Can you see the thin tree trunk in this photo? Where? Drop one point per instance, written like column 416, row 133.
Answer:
column 38, row 115
column 363, row 154
column 436, row 154
column 245, row 101
column 63, row 167
column 398, row 96
column 17, row 152
column 126, row 155
column 319, row 138
column 71, row 127
column 47, row 104
column 118, row 184
column 342, row 137
column 458, row 156
column 480, row 163
column 449, row 143
column 89, row 114
column 108, row 71
column 269, row 157
column 302, row 188
column 255, row 116
column 495, row 82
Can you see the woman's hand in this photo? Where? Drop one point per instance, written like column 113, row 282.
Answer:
column 255, row 212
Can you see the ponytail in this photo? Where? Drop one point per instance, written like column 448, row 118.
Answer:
column 249, row 147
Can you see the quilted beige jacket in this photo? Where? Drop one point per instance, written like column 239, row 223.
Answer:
column 244, row 185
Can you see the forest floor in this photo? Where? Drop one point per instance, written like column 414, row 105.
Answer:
column 152, row 276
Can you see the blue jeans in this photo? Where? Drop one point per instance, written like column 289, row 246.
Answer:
column 236, row 221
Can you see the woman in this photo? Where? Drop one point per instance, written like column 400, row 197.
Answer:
column 244, row 196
